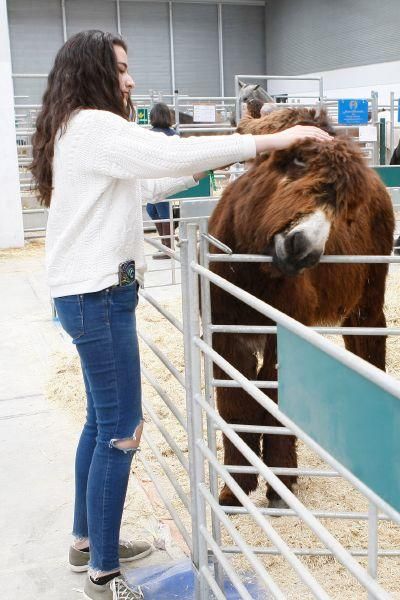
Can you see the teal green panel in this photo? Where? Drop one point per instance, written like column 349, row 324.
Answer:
column 201, row 190
column 390, row 175
column 352, row 418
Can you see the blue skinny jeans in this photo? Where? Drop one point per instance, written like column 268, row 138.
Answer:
column 103, row 327
column 158, row 210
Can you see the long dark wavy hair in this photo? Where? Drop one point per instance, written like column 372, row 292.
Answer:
column 84, row 75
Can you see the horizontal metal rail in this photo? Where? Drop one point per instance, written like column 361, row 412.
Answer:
column 323, row 534
column 267, row 329
column 334, row 259
column 168, row 504
column 315, row 552
column 340, row 354
column 269, row 430
column 166, row 435
column 288, row 512
column 273, row 409
column 171, row 476
column 229, row 383
column 159, row 246
column 163, row 358
column 302, row 571
column 235, row 535
column 283, row 471
column 169, row 316
column 164, row 396
column 216, row 590
column 219, row 555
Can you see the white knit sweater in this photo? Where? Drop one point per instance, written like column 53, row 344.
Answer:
column 103, row 168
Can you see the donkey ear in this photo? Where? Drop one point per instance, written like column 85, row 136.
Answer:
column 241, row 84
column 353, row 186
column 283, row 158
column 256, row 86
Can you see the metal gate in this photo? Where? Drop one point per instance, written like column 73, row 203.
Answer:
column 207, row 524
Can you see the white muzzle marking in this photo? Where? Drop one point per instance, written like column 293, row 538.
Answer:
column 314, row 227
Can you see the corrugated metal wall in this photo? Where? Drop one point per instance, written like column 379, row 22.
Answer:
column 90, row 14
column 243, row 30
column 146, row 31
column 196, row 49
column 36, row 35
column 305, row 36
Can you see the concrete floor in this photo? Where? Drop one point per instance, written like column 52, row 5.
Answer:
column 37, row 441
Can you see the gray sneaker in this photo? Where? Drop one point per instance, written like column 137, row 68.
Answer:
column 116, row 589
column 128, row 552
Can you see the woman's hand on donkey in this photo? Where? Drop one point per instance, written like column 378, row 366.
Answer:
column 284, row 139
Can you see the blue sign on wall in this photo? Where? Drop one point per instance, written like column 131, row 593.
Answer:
column 353, row 112
column 398, row 110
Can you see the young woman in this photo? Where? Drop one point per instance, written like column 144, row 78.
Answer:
column 161, row 121
column 93, row 168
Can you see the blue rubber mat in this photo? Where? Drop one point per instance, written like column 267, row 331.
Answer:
column 176, row 580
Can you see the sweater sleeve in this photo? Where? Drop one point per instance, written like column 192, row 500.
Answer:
column 157, row 190
column 115, row 147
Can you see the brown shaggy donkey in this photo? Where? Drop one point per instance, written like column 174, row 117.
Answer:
column 295, row 205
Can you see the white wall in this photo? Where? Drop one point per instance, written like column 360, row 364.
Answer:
column 11, row 227
column 354, row 82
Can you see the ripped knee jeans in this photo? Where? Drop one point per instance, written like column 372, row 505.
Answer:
column 103, row 327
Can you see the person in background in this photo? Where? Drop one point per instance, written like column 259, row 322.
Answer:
column 161, row 121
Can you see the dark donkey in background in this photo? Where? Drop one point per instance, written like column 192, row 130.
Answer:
column 294, row 205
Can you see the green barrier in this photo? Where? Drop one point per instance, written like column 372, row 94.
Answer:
column 351, row 417
column 390, row 175
column 203, row 189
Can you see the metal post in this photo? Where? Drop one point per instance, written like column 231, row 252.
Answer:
column 118, row 16
column 195, row 417
column 172, row 240
column 206, row 319
column 372, row 543
column 392, row 118
column 321, row 93
column 188, row 384
column 374, row 118
column 176, row 106
column 171, row 47
column 64, row 20
column 382, row 141
column 237, row 102
column 221, row 51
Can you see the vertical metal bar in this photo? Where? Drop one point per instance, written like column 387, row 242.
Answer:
column 382, row 141
column 374, row 118
column 221, row 51
column 196, row 425
column 118, row 16
column 172, row 240
column 176, row 105
column 188, row 383
column 171, row 47
column 237, row 102
column 64, row 20
column 372, row 543
column 321, row 92
column 208, row 389
column 392, row 118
